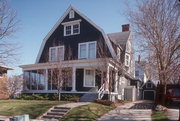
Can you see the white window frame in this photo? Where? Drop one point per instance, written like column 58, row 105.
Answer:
column 118, row 53
column 84, row 84
column 71, row 14
column 87, row 49
column 56, row 53
column 127, row 64
column 71, row 23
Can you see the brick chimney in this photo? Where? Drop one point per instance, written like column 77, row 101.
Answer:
column 125, row 27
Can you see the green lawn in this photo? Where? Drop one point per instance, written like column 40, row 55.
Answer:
column 159, row 116
column 88, row 112
column 31, row 107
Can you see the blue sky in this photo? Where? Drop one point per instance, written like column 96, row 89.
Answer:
column 37, row 17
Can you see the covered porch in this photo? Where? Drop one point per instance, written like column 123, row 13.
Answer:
column 76, row 76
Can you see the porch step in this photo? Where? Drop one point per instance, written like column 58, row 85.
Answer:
column 55, row 113
column 89, row 97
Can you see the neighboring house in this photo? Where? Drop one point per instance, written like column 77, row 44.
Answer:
column 140, row 72
column 97, row 62
column 148, row 90
column 3, row 81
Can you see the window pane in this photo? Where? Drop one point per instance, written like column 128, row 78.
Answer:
column 68, row 30
column 60, row 53
column 53, row 54
column 89, row 78
column 83, row 51
column 91, row 52
column 76, row 29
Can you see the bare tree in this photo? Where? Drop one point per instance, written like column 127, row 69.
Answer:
column 14, row 85
column 156, row 22
column 60, row 74
column 8, row 26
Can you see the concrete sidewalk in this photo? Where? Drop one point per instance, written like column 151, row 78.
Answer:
column 173, row 114
column 127, row 113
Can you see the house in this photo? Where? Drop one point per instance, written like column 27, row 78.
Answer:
column 140, row 72
column 3, row 81
column 148, row 90
column 88, row 60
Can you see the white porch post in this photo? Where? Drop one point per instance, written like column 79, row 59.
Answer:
column 74, row 79
column 116, row 82
column 46, row 79
column 107, row 79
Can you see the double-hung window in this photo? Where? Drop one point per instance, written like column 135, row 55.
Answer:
column 56, row 53
column 127, row 60
column 87, row 50
column 68, row 30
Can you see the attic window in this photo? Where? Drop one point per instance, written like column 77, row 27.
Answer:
column 71, row 27
column 71, row 14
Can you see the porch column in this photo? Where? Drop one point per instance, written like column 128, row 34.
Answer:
column 116, row 82
column 107, row 79
column 46, row 79
column 74, row 79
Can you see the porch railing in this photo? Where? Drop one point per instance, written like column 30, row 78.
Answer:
column 101, row 91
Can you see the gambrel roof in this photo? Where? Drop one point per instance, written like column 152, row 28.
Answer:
column 107, row 41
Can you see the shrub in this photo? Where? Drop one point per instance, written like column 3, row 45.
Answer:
column 68, row 97
column 104, row 102
column 32, row 97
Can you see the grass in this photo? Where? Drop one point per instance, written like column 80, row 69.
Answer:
column 160, row 116
column 88, row 112
column 32, row 107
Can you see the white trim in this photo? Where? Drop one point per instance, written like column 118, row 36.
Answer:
column 149, row 91
column 148, row 81
column 72, row 22
column 87, row 49
column 85, row 78
column 56, row 53
column 87, row 19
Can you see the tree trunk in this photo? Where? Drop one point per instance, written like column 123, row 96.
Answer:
column 59, row 96
column 164, row 95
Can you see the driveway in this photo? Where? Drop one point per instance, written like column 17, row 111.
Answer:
column 134, row 111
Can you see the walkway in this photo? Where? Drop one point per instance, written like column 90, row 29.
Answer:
column 135, row 111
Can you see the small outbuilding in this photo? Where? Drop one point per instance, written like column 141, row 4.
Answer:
column 148, row 90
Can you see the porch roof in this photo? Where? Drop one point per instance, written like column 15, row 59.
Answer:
column 72, row 63
column 5, row 67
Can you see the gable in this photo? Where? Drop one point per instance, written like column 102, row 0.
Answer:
column 65, row 18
